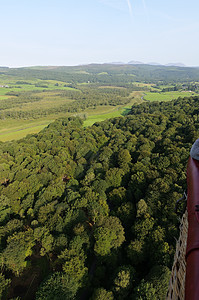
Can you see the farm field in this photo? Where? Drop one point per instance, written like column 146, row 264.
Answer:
column 108, row 113
column 118, row 111
column 20, row 128
column 31, row 98
column 166, row 96
column 17, row 129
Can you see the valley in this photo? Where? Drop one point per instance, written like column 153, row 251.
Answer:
column 31, row 98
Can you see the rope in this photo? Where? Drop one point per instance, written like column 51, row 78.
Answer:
column 176, row 289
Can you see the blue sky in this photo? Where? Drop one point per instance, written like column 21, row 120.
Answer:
column 63, row 32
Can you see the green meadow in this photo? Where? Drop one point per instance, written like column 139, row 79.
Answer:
column 17, row 129
column 103, row 113
column 166, row 96
column 108, row 114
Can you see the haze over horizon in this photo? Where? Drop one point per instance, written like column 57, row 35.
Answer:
column 173, row 64
column 65, row 33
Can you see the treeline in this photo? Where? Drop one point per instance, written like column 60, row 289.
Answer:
column 89, row 212
column 182, row 87
column 17, row 102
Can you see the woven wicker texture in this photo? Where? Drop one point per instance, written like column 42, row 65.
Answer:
column 177, row 282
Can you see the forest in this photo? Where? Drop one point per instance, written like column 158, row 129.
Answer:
column 88, row 212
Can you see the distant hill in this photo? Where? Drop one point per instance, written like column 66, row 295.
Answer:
column 178, row 64
column 154, row 64
column 116, row 63
column 175, row 65
column 3, row 68
column 135, row 62
column 113, row 73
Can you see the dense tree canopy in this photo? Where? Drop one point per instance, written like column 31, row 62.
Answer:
column 90, row 211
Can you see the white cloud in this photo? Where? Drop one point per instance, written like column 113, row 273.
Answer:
column 130, row 8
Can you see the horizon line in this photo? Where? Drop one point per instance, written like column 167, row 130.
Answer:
column 133, row 62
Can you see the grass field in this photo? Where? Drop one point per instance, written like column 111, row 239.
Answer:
column 43, row 104
column 17, row 86
column 98, row 117
column 167, row 96
column 16, row 129
column 48, row 90
column 104, row 113
column 20, row 128
column 50, row 97
column 20, row 133
column 3, row 97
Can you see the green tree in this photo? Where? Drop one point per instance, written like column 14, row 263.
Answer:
column 145, row 291
column 158, row 246
column 114, row 177
column 4, row 284
column 102, row 294
column 126, row 213
column 109, row 235
column 142, row 208
column 5, row 209
column 143, row 226
column 117, row 196
column 73, row 261
column 57, row 286
column 19, row 247
column 123, row 281
column 45, row 239
column 124, row 158
column 159, row 276
column 136, row 252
